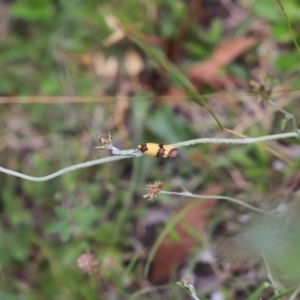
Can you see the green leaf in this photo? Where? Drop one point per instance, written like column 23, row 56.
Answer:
column 283, row 122
column 195, row 48
column 215, row 31
column 282, row 294
column 66, row 233
column 167, row 126
column 287, row 62
column 32, row 10
column 240, row 156
column 56, row 227
column 256, row 294
column 267, row 10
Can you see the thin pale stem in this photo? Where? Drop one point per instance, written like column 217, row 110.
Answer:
column 236, row 141
column 65, row 170
column 217, row 197
column 129, row 153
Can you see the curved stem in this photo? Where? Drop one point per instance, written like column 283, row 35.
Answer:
column 233, row 200
column 63, row 171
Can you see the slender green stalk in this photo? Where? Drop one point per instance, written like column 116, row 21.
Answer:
column 290, row 116
column 289, row 25
column 285, row 293
column 163, row 234
column 127, row 200
column 295, row 294
column 256, row 295
column 138, row 294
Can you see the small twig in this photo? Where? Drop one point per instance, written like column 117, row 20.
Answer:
column 233, row 200
column 237, row 141
column 107, row 144
column 289, row 26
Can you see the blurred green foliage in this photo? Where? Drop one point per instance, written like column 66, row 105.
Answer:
column 286, row 61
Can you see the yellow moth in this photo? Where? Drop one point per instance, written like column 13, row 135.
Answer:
column 158, row 150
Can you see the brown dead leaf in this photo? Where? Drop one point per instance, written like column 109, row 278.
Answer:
column 230, row 50
column 171, row 254
column 154, row 40
column 207, row 71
